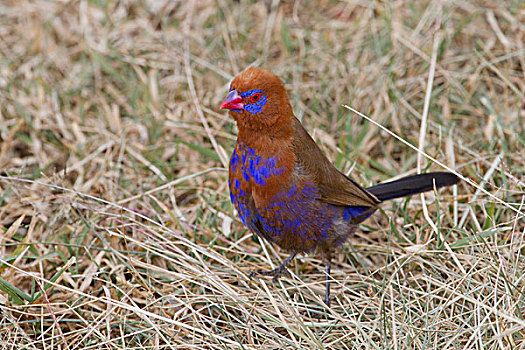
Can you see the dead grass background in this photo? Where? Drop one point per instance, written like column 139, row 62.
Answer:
column 117, row 231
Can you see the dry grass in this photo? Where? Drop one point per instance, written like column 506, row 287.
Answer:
column 117, row 227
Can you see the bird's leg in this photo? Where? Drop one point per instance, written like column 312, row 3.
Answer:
column 327, row 271
column 276, row 273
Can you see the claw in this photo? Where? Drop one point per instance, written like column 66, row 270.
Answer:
column 276, row 273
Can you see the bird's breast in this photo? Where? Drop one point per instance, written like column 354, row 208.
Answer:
column 255, row 177
column 261, row 171
column 276, row 199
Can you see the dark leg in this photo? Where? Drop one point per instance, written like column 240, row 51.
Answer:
column 327, row 271
column 276, row 273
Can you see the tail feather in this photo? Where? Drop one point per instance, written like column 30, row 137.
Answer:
column 413, row 185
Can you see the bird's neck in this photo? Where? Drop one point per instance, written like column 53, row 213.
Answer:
column 267, row 160
column 267, row 139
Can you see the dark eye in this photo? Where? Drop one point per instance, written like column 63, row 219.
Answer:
column 255, row 97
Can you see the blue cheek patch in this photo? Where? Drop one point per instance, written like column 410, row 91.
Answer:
column 251, row 92
column 255, row 107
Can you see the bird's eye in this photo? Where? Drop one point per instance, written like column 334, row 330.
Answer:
column 255, row 97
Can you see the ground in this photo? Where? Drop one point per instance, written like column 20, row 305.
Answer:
column 117, row 228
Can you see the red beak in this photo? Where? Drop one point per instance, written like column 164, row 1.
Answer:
column 232, row 101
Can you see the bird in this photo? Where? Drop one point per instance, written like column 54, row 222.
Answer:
column 285, row 189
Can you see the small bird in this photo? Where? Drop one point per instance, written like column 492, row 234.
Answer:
column 282, row 185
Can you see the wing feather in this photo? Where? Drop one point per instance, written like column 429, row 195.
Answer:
column 334, row 187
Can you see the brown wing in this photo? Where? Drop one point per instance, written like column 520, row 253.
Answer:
column 335, row 187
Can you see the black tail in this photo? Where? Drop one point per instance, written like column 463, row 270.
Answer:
column 413, row 185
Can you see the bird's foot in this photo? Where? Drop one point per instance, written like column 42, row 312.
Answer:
column 275, row 273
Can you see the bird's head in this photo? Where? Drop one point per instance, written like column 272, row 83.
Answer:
column 258, row 100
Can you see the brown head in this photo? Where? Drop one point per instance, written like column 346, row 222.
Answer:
column 258, row 102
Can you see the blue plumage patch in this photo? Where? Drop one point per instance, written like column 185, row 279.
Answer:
column 256, row 100
column 255, row 167
column 289, row 211
column 354, row 212
column 296, row 211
